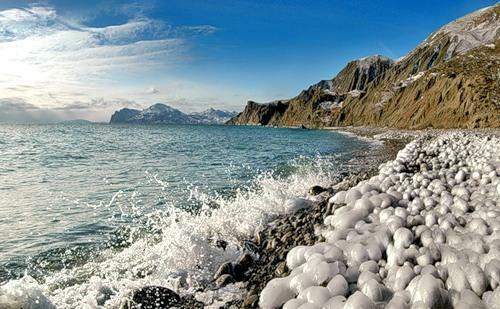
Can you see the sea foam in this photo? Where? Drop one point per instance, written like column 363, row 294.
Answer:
column 184, row 257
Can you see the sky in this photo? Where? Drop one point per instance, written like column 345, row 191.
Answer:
column 65, row 59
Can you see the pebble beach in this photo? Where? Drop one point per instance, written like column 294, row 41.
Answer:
column 420, row 231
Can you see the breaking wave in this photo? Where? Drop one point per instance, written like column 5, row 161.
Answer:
column 172, row 247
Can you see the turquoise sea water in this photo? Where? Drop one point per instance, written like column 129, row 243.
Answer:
column 81, row 204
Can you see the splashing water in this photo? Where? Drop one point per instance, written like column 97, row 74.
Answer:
column 162, row 208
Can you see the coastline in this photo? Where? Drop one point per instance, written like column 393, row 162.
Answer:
column 271, row 245
column 238, row 283
column 304, row 227
column 240, row 280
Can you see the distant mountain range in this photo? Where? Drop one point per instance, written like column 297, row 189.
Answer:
column 76, row 121
column 452, row 79
column 163, row 114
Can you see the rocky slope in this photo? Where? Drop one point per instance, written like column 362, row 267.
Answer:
column 164, row 114
column 452, row 79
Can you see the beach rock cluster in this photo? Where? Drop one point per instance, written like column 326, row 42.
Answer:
column 152, row 297
column 275, row 242
column 423, row 233
column 231, row 272
column 270, row 247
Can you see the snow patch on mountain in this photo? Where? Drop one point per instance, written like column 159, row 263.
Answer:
column 213, row 116
column 476, row 29
column 163, row 114
column 367, row 62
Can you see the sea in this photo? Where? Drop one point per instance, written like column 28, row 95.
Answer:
column 91, row 212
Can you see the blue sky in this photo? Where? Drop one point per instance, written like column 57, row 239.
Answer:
column 84, row 59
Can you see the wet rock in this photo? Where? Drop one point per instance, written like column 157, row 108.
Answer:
column 238, row 271
column 245, row 260
column 315, row 190
column 224, row 280
column 154, row 297
column 224, row 269
column 281, row 269
column 287, row 236
column 251, row 301
column 271, row 245
column 105, row 294
column 220, row 243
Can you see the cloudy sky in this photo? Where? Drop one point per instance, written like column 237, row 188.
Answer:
column 84, row 59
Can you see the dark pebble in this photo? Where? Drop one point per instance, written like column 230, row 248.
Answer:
column 281, row 269
column 245, row 260
column 221, row 243
column 251, row 300
column 224, row 269
column 224, row 280
column 238, row 272
column 315, row 190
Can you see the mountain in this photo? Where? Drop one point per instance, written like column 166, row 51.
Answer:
column 76, row 121
column 451, row 79
column 212, row 116
column 164, row 114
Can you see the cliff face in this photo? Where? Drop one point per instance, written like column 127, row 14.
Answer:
column 124, row 115
column 260, row 114
column 449, row 80
column 463, row 92
column 325, row 95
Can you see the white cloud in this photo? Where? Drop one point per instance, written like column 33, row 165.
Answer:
column 152, row 90
column 52, row 63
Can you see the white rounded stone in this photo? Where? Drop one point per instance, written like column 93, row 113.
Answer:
column 359, row 301
column 275, row 294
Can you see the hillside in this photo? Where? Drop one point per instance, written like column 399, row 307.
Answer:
column 451, row 79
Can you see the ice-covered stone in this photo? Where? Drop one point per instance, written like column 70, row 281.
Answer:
column 403, row 238
column 371, row 266
column 301, row 282
column 359, row 300
column 336, row 302
column 317, row 295
column 374, row 290
column 338, row 286
column 403, row 276
column 430, row 291
column 469, row 299
column 352, row 195
column 424, row 233
column 338, row 198
column 276, row 293
column 294, row 303
column 296, row 257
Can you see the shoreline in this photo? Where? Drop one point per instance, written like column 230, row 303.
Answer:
column 275, row 242
column 272, row 244
column 242, row 281
column 238, row 283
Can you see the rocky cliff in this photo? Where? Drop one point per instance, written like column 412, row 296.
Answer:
column 451, row 79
